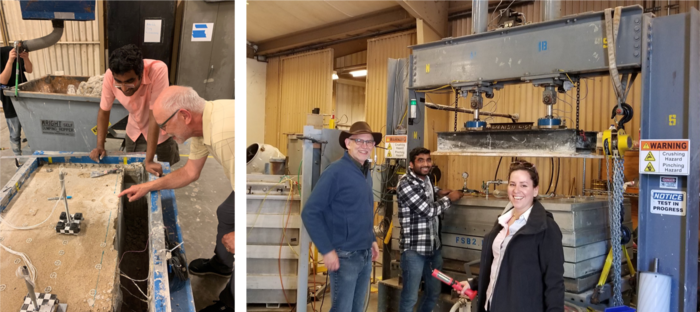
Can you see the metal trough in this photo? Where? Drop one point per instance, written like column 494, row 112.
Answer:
column 56, row 121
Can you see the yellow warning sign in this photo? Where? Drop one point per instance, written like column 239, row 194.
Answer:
column 646, row 146
column 649, row 168
column 94, row 129
column 389, row 148
column 388, row 154
column 650, row 157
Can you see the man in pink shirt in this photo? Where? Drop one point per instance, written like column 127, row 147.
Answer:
column 136, row 82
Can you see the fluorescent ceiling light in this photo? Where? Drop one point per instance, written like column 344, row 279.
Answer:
column 359, row 73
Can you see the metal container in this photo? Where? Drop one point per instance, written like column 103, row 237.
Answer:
column 53, row 120
column 295, row 148
column 258, row 157
column 172, row 294
column 277, row 166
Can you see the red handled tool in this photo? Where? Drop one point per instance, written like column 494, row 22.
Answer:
column 454, row 284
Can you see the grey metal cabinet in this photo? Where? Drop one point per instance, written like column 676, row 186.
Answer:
column 208, row 66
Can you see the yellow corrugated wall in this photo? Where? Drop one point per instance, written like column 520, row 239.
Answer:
column 272, row 107
column 359, row 58
column 77, row 53
column 379, row 50
column 305, row 82
column 597, row 100
column 350, row 104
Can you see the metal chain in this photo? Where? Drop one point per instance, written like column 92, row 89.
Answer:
column 617, row 248
column 578, row 102
column 456, row 102
column 615, row 198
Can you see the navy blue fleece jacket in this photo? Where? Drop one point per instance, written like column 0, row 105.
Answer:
column 338, row 214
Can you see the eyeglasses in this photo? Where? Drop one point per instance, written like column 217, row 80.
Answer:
column 361, row 142
column 122, row 86
column 162, row 126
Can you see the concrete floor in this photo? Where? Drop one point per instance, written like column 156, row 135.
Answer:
column 196, row 203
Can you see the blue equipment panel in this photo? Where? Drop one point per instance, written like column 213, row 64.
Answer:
column 79, row 10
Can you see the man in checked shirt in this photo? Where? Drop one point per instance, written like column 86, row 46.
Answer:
column 420, row 244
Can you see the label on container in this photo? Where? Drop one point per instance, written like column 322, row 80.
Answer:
column 58, row 127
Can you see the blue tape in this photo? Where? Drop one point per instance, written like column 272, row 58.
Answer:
column 198, row 34
column 200, row 25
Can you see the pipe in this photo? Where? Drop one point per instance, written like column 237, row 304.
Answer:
column 69, row 220
column 46, row 41
column 497, row 182
column 480, row 16
column 456, row 306
column 551, row 10
column 30, row 287
column 583, row 180
column 513, row 117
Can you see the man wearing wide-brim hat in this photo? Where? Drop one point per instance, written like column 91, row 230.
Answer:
column 339, row 218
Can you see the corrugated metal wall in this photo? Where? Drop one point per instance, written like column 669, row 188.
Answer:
column 379, row 50
column 272, row 94
column 597, row 100
column 359, row 58
column 349, row 103
column 305, row 82
column 77, row 53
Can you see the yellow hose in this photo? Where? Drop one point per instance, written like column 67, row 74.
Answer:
column 388, row 233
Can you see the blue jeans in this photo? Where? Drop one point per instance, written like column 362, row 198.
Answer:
column 15, row 129
column 349, row 284
column 415, row 266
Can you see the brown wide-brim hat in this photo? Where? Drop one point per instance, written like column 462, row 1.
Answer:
column 359, row 127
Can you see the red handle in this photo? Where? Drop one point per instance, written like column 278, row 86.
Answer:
column 454, row 284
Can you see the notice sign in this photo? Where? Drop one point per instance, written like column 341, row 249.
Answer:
column 664, row 157
column 396, row 146
column 668, row 202
column 57, row 127
column 151, row 31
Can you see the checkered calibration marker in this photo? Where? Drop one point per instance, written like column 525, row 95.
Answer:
column 46, row 302
column 65, row 227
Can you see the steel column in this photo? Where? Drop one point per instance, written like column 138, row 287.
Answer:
column 671, row 86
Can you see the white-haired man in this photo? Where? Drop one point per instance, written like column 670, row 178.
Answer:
column 182, row 114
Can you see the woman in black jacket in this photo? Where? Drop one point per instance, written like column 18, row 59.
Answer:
column 522, row 260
